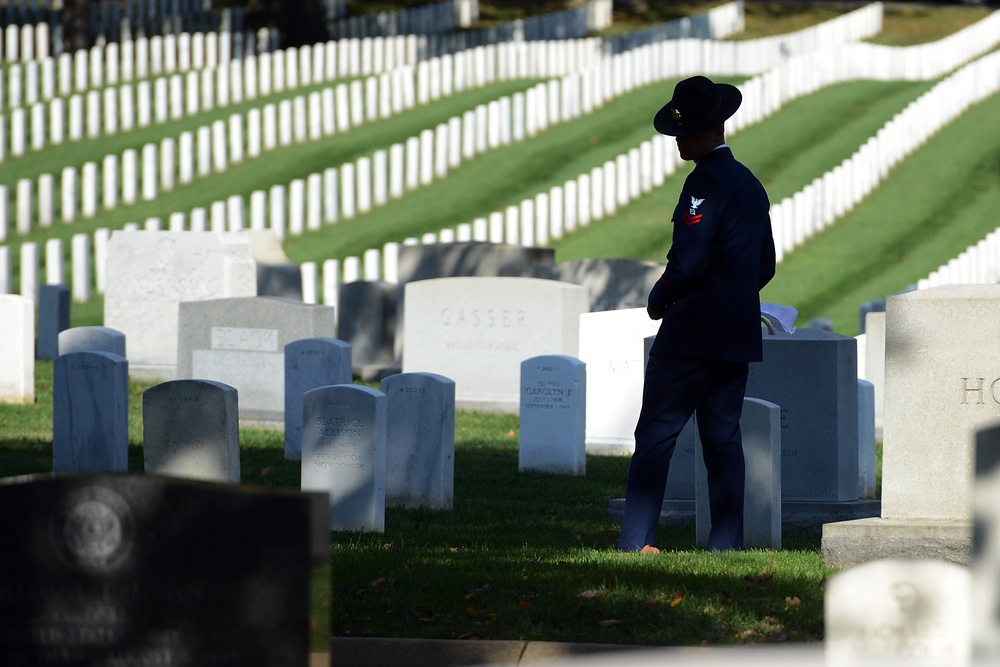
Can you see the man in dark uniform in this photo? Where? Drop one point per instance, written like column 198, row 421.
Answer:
column 722, row 254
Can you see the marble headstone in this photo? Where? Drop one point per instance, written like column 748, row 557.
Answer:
column 344, row 453
column 310, row 363
column 420, row 438
column 92, row 339
column 912, row 612
column 553, row 407
column 366, row 318
column 760, row 425
column 613, row 284
column 17, row 347
column 191, row 429
column 90, row 412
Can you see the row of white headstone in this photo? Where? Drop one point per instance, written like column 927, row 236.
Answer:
column 309, row 203
column 820, row 203
column 231, row 82
column 122, row 109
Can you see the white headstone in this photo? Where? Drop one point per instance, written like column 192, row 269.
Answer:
column 17, row 349
column 552, row 415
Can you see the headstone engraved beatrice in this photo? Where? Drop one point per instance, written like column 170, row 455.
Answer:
column 905, row 612
column 553, row 415
column 420, row 458
column 147, row 570
column 344, row 453
column 191, row 429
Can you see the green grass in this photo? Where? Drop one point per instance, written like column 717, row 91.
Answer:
column 543, row 566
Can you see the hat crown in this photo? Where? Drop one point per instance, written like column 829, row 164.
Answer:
column 694, row 99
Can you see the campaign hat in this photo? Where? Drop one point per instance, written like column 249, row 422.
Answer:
column 698, row 104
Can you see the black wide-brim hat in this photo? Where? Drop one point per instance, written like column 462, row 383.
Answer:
column 698, row 104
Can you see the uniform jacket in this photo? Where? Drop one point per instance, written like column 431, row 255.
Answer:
column 721, row 256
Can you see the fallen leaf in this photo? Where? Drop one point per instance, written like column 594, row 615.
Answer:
column 264, row 472
column 593, row 593
column 610, row 623
column 510, row 433
column 746, row 634
column 470, row 636
column 792, row 602
column 759, row 578
column 524, row 605
column 471, row 612
column 677, row 600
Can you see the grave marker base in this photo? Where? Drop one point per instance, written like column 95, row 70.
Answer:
column 849, row 543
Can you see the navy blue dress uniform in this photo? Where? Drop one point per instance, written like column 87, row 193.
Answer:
column 722, row 254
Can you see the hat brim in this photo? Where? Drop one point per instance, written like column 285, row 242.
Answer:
column 664, row 122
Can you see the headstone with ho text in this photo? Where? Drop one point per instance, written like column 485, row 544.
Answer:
column 90, row 412
column 191, row 429
column 344, row 453
column 478, row 330
column 241, row 342
column 149, row 570
column 553, row 419
column 420, row 439
column 310, row 363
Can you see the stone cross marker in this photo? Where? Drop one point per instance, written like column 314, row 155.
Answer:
column 147, row 570
column 912, row 612
column 191, row 429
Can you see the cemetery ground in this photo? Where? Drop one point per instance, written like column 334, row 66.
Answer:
column 525, row 556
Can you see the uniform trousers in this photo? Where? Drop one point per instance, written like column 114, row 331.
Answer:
column 675, row 388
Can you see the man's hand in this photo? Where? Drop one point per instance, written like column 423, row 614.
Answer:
column 654, row 312
column 656, row 303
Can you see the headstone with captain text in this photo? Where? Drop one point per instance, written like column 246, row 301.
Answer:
column 420, row 439
column 310, row 363
column 241, row 342
column 89, row 412
column 190, row 429
column 478, row 330
column 553, row 406
column 100, row 569
column 344, row 453
column 150, row 273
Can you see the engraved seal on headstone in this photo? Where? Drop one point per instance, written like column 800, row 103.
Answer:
column 94, row 530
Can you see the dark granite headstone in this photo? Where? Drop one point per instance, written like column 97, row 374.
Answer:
column 144, row 570
column 53, row 317
column 613, row 283
column 366, row 318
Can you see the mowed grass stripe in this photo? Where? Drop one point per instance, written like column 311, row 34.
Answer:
column 942, row 199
